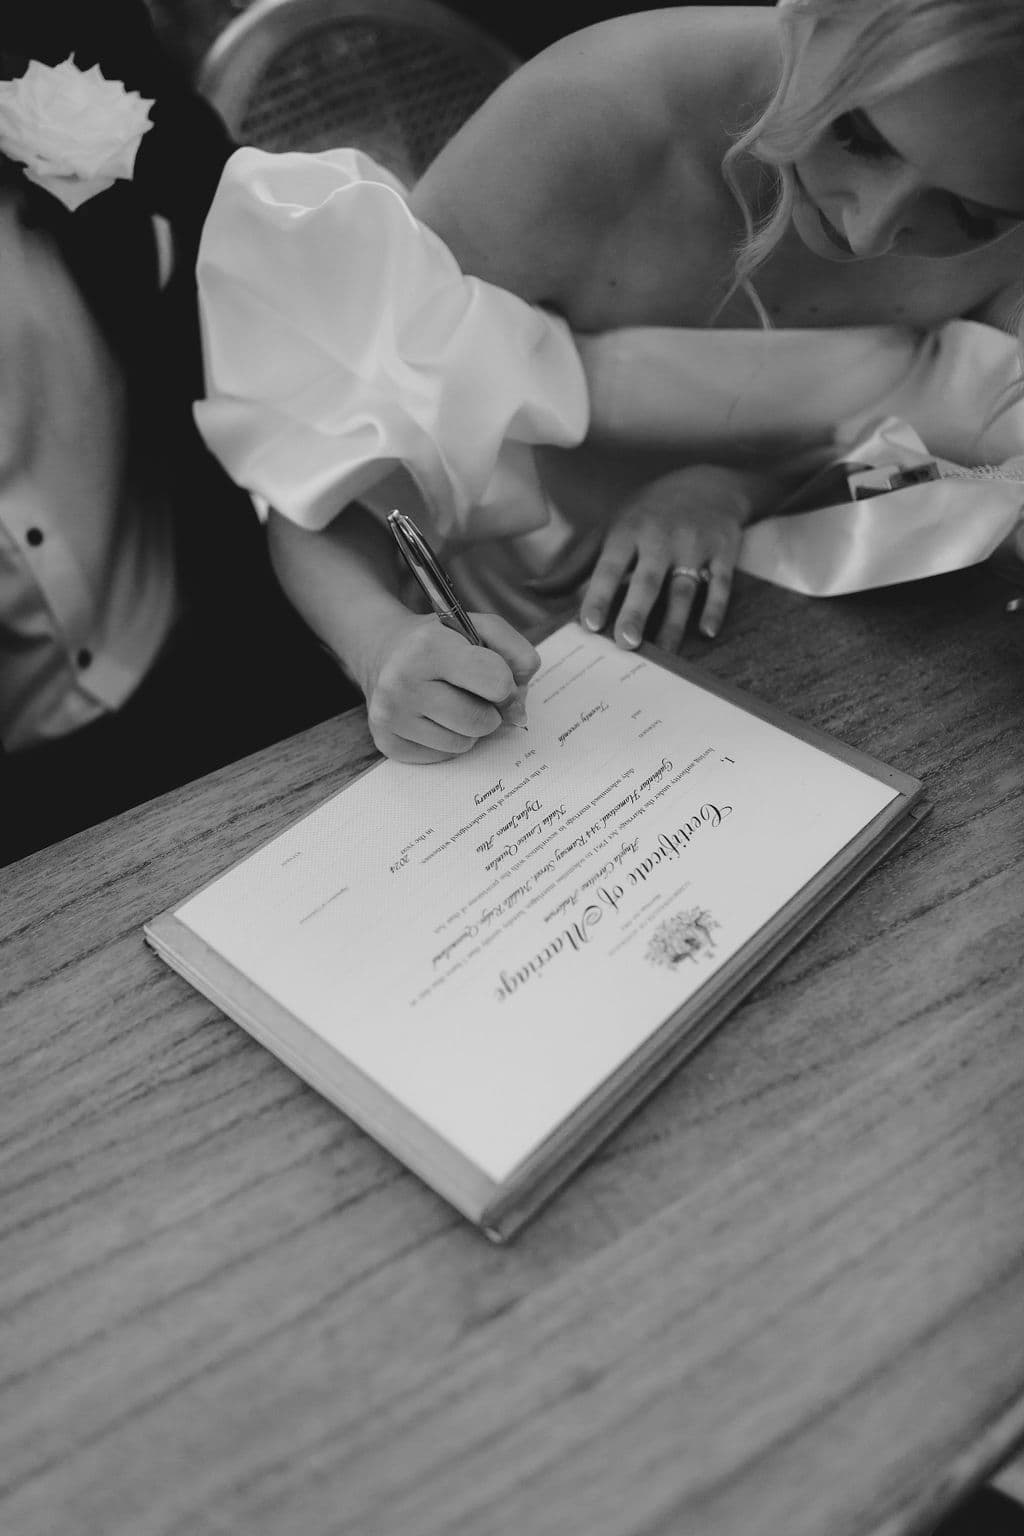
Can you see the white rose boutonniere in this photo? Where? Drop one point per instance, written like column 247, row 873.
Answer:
column 74, row 131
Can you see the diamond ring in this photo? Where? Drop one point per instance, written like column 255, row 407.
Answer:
column 691, row 573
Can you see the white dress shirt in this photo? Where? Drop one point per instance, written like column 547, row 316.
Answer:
column 87, row 585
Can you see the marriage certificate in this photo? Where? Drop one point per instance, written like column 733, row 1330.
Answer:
column 489, row 939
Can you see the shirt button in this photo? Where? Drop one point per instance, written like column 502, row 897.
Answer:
column 84, row 659
column 34, row 536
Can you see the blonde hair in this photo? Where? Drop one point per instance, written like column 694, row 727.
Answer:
column 887, row 45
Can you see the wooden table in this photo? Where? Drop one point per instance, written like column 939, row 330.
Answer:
column 786, row 1300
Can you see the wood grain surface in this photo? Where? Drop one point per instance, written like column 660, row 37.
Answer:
column 787, row 1299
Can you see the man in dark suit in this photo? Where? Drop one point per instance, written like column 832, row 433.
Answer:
column 143, row 639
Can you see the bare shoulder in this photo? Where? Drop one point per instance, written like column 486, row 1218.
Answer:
column 575, row 139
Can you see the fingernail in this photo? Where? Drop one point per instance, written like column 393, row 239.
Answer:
column 709, row 630
column 630, row 636
column 513, row 709
column 591, row 623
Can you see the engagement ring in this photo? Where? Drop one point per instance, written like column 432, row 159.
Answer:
column 690, row 572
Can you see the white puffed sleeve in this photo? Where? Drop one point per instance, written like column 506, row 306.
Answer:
column 341, row 341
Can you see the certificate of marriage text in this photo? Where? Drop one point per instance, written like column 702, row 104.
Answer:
column 490, row 938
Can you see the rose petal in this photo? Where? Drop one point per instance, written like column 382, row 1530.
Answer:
column 72, row 128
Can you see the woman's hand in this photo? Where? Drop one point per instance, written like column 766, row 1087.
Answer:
column 431, row 695
column 683, row 530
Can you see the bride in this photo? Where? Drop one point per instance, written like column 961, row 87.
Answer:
column 662, row 187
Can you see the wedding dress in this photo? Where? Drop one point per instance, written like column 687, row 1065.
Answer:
column 349, row 358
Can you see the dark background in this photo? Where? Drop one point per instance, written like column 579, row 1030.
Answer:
column 188, row 27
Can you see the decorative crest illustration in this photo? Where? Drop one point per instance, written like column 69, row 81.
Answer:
column 685, row 935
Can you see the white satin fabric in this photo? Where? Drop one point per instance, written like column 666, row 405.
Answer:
column 922, row 530
column 348, row 357
column 343, row 343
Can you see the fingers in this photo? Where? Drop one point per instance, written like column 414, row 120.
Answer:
column 450, row 716
column 684, row 592
column 686, row 595
column 520, row 659
column 716, row 600
column 689, row 572
column 432, row 714
column 423, row 732
column 491, row 672
column 643, row 591
column 676, row 539
column 614, row 561
column 417, row 738
column 436, row 695
column 519, row 656
column 664, row 550
column 403, row 751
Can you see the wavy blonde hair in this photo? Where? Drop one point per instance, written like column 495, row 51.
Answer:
column 890, row 44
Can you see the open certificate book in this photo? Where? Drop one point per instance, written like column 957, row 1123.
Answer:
column 488, row 962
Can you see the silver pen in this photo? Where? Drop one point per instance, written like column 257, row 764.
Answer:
column 437, row 586
column 434, row 581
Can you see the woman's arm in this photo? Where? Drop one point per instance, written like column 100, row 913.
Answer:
column 735, row 392
column 343, row 581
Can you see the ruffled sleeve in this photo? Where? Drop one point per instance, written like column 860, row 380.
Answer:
column 342, row 341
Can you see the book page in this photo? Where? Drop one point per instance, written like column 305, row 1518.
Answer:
column 490, row 937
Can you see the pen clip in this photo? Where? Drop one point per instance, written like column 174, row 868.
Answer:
column 428, row 560
column 433, row 580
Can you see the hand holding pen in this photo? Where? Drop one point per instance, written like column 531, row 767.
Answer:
column 448, row 679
